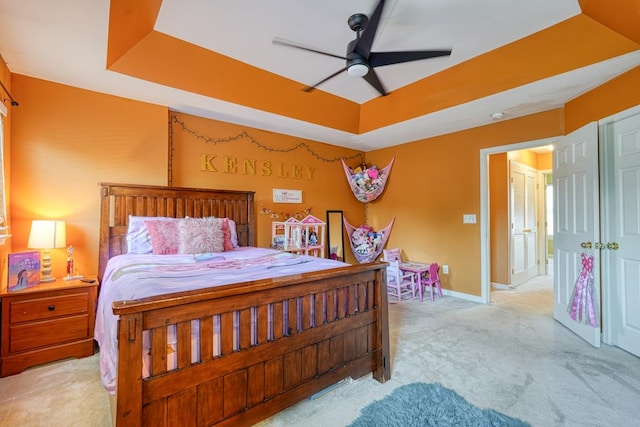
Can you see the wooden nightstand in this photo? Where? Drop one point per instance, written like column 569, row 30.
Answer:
column 48, row 322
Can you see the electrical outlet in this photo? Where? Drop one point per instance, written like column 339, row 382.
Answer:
column 445, row 269
column 469, row 218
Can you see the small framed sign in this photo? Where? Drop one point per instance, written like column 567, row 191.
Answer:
column 287, row 196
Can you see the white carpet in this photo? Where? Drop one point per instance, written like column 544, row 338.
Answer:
column 510, row 356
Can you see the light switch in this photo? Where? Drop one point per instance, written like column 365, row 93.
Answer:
column 469, row 218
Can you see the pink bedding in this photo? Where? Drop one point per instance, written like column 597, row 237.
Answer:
column 135, row 276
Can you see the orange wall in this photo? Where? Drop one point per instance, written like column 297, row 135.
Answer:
column 64, row 141
column 262, row 161
column 434, row 182
column 5, row 77
column 499, row 217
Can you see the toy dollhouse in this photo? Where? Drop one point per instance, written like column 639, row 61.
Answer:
column 304, row 236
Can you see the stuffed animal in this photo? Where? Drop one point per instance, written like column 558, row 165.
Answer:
column 365, row 240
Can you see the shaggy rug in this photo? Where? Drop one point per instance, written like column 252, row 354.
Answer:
column 421, row 404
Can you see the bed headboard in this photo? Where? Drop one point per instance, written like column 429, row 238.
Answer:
column 118, row 201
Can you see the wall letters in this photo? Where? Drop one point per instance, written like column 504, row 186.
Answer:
column 235, row 165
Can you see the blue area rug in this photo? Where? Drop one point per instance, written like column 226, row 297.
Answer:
column 423, row 405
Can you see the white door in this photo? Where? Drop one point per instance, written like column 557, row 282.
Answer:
column 577, row 221
column 524, row 223
column 621, row 232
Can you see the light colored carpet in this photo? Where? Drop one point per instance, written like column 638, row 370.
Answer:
column 510, row 356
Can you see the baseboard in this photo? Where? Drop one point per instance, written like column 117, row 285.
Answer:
column 500, row 286
column 467, row 297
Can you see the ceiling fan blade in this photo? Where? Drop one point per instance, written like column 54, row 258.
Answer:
column 289, row 43
column 378, row 59
column 312, row 87
column 372, row 78
column 364, row 43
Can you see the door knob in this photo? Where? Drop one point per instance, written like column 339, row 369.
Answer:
column 586, row 245
column 599, row 245
column 613, row 246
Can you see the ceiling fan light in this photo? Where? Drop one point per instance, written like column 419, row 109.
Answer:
column 358, row 70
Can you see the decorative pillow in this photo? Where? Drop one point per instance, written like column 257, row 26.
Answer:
column 200, row 235
column 164, row 236
column 228, row 244
column 138, row 238
column 233, row 232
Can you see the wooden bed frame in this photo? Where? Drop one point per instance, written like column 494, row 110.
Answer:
column 341, row 329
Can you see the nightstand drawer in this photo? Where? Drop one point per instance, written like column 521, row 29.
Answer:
column 39, row 334
column 48, row 308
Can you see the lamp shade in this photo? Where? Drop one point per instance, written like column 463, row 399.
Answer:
column 47, row 234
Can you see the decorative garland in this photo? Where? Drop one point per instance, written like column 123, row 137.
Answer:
column 245, row 134
column 284, row 215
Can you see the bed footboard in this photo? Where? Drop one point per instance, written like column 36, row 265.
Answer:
column 261, row 346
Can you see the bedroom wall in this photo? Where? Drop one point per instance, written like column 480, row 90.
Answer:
column 213, row 154
column 5, row 77
column 435, row 181
column 64, row 141
column 499, row 221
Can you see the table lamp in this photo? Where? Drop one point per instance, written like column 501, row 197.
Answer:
column 47, row 235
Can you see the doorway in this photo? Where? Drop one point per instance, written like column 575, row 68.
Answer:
column 485, row 238
column 517, row 213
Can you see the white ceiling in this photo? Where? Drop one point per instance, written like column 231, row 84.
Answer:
column 65, row 41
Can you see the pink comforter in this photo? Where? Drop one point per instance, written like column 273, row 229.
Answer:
column 138, row 276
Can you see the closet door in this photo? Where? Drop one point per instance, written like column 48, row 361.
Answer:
column 524, row 223
column 577, row 221
column 621, row 232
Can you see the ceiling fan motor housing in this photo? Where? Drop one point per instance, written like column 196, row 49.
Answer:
column 358, row 22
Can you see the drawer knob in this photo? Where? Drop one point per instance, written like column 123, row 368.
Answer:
column 52, row 307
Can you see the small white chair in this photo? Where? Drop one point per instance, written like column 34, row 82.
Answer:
column 401, row 286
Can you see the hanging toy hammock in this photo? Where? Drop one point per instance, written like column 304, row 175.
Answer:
column 583, row 306
column 367, row 244
column 367, row 183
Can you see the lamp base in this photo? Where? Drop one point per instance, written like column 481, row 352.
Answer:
column 76, row 277
column 47, row 279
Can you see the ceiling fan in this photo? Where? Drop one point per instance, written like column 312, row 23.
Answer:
column 360, row 61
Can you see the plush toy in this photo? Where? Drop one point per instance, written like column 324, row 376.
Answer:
column 366, row 178
column 365, row 240
column 372, row 172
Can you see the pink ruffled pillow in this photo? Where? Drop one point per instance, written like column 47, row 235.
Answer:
column 200, row 235
column 226, row 232
column 164, row 234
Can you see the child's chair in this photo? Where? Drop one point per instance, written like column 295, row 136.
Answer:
column 401, row 286
column 432, row 280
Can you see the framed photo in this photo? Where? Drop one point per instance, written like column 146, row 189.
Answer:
column 287, row 196
column 24, row 270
